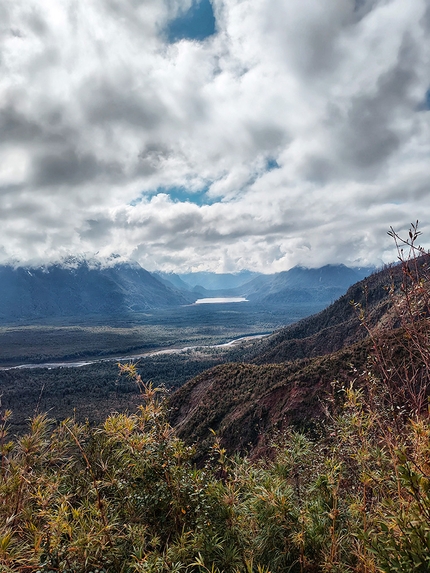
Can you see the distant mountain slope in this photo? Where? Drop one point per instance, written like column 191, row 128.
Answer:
column 298, row 285
column 198, row 291
column 170, row 279
column 81, row 289
column 217, row 281
column 301, row 284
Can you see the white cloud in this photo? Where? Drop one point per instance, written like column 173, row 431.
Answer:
column 98, row 111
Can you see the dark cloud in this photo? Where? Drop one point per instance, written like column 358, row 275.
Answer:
column 96, row 230
column 16, row 127
column 309, row 35
column 72, row 168
column 363, row 7
column 370, row 133
column 4, row 19
column 6, row 191
column 37, row 24
column 107, row 103
column 425, row 20
column 268, row 138
column 152, row 157
column 318, row 169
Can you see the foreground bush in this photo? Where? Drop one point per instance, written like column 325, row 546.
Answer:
column 126, row 497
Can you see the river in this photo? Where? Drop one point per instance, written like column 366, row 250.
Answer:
column 50, row 365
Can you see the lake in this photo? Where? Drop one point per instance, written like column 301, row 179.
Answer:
column 220, row 300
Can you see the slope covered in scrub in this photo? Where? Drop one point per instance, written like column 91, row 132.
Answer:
column 284, row 379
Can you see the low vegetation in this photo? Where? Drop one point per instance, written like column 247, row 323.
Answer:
column 127, row 496
column 92, row 392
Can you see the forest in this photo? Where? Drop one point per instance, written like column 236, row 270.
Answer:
column 92, row 392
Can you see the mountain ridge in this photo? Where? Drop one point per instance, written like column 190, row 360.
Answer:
column 282, row 379
column 297, row 285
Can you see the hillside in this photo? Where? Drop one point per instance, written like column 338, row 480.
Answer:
column 301, row 284
column 245, row 404
column 336, row 326
column 285, row 378
column 127, row 496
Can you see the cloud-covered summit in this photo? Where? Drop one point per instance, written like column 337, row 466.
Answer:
column 293, row 132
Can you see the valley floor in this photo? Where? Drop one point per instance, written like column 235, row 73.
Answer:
column 97, row 337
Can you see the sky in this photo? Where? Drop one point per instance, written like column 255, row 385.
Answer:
column 215, row 135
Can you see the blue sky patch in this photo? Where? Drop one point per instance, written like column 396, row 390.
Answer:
column 196, row 24
column 179, row 195
column 425, row 104
column 271, row 164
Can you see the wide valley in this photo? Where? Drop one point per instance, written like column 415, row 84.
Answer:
column 191, row 325
column 168, row 346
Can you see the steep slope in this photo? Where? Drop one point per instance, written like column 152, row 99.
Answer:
column 245, row 404
column 81, row 289
column 286, row 376
column 172, row 279
column 334, row 327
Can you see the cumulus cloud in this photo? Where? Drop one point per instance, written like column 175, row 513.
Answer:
column 303, row 125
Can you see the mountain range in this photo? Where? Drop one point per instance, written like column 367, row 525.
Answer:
column 81, row 288
column 297, row 285
column 210, row 281
column 301, row 284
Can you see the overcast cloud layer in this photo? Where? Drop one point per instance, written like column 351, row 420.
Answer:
column 296, row 134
